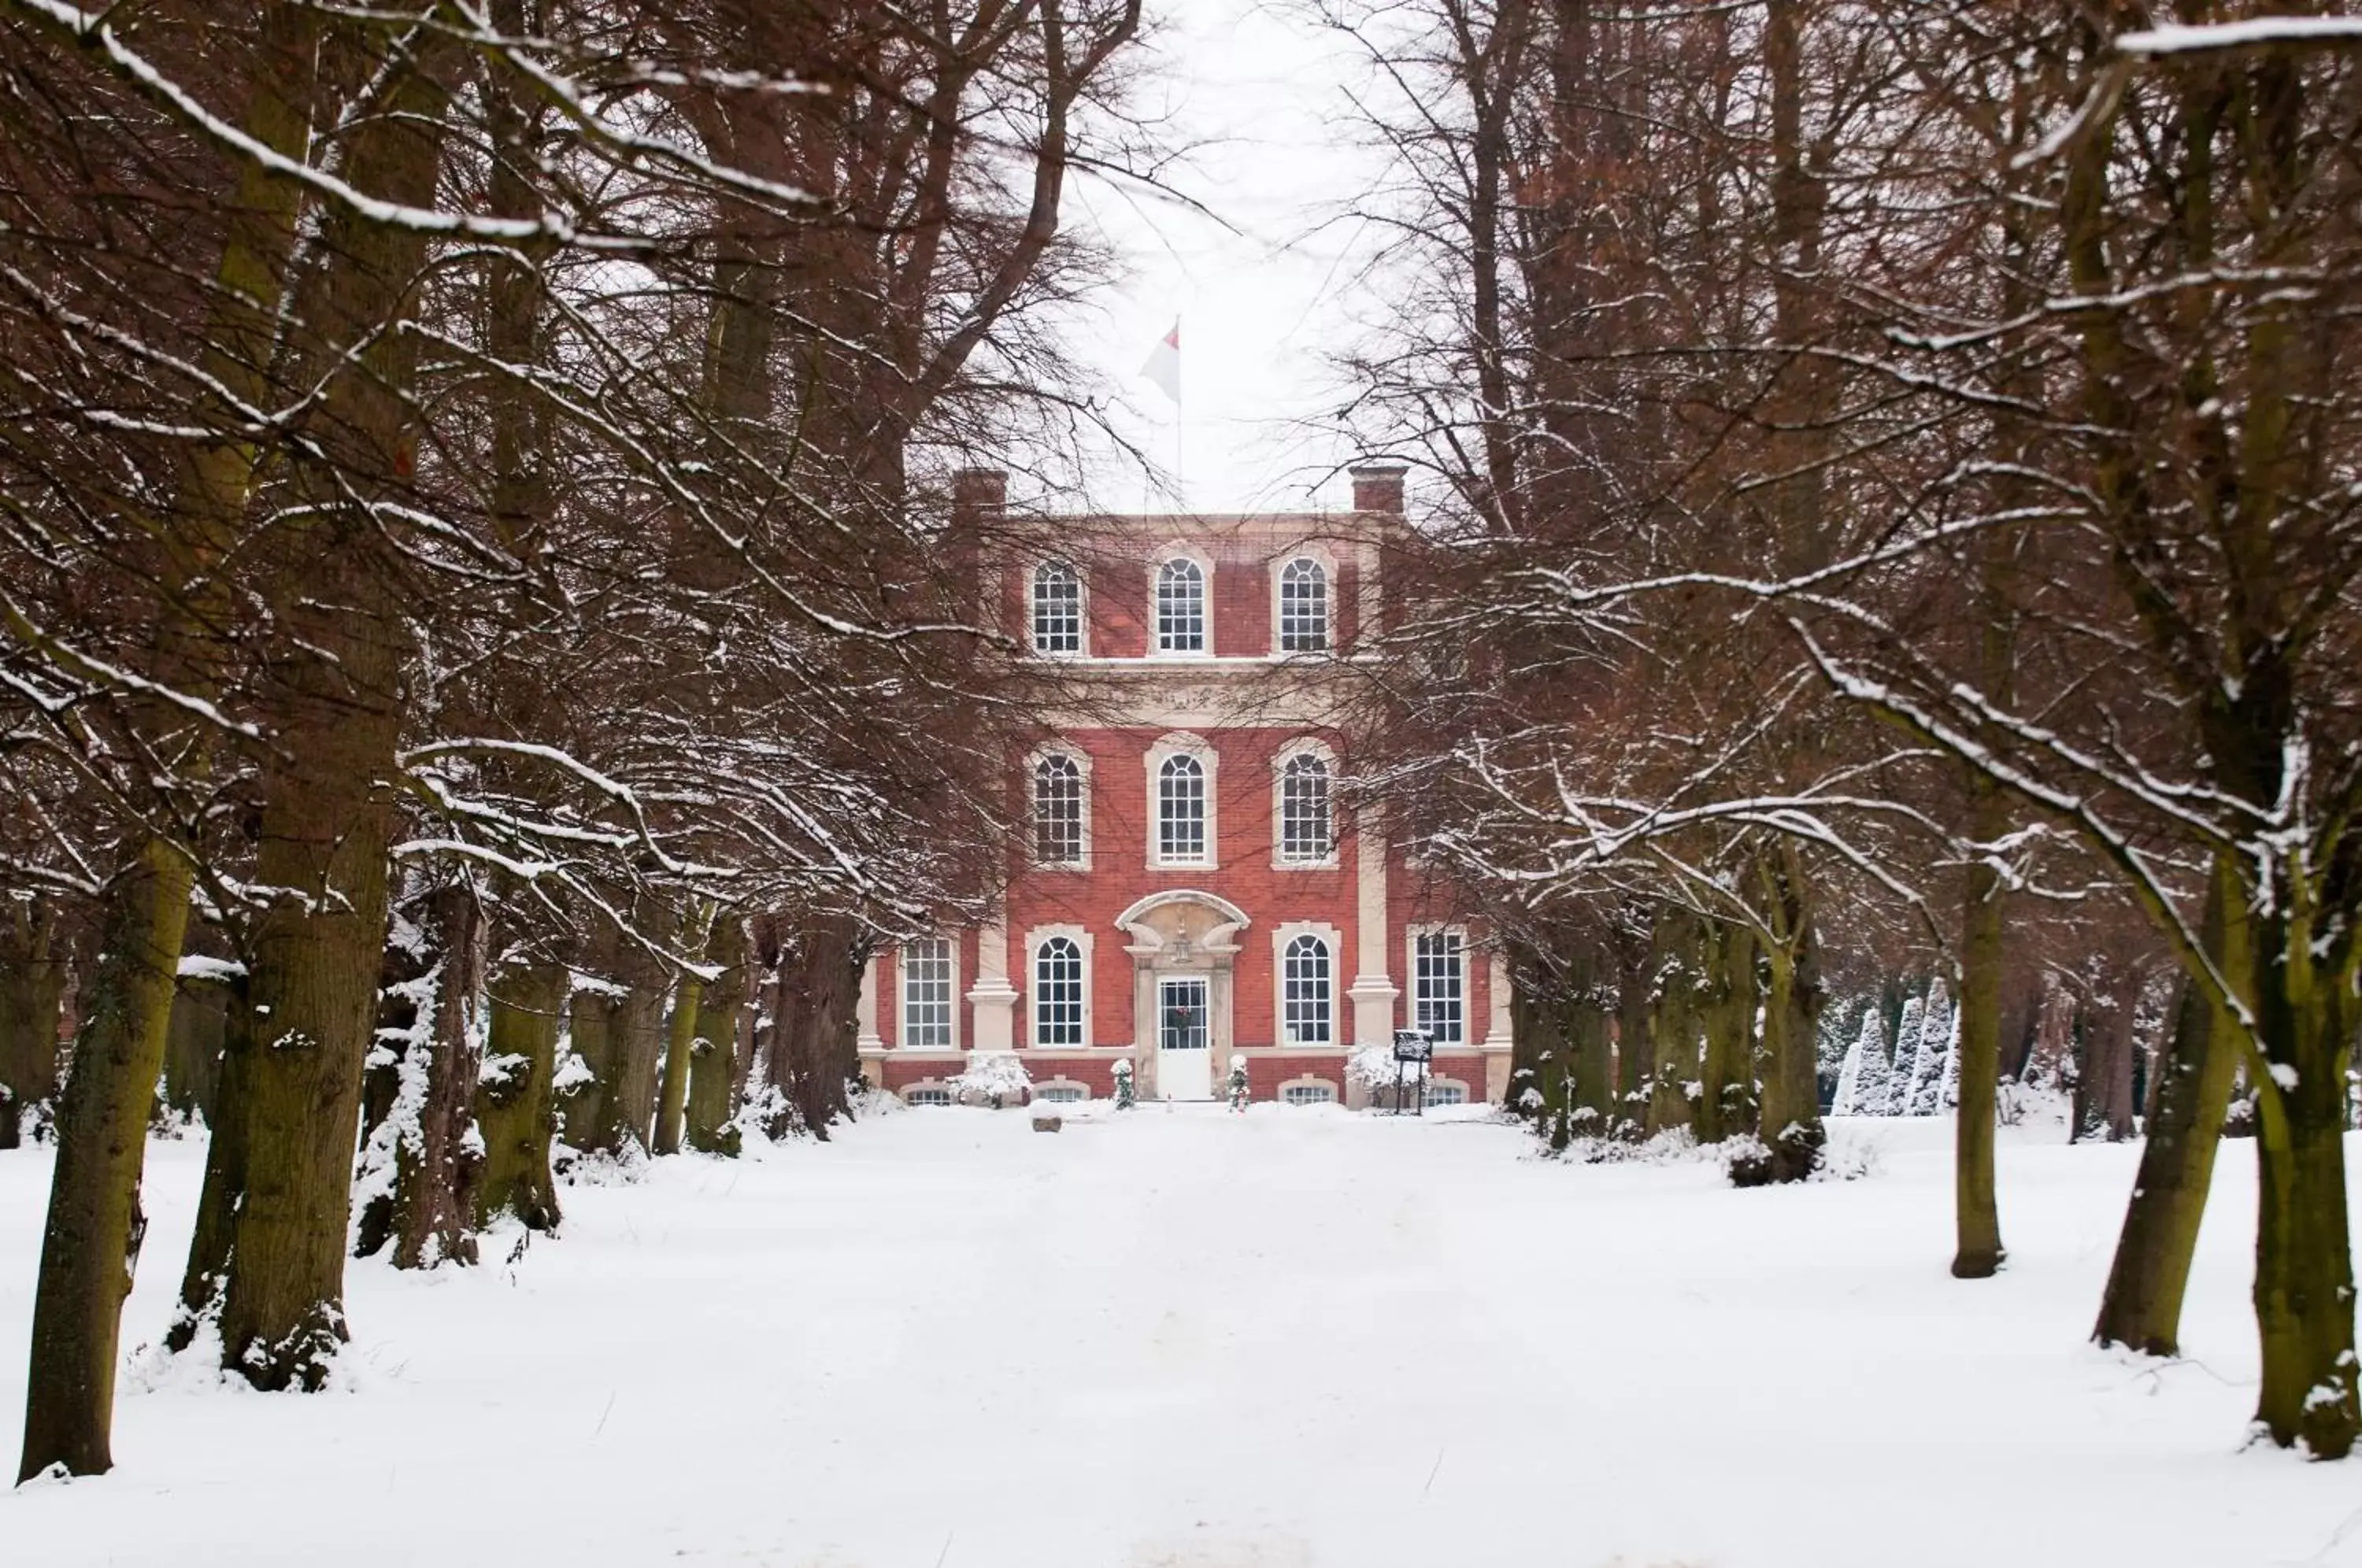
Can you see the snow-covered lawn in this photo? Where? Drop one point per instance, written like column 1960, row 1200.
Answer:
column 1182, row 1337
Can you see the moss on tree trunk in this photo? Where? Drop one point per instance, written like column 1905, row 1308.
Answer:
column 192, row 1048
column 2304, row 1260
column 1673, row 1025
column 515, row 1108
column 715, row 1071
column 680, row 1046
column 32, row 1000
column 1977, row 1250
column 333, row 707
column 1727, row 1080
column 2142, row 1305
column 1792, row 1133
column 91, row 1242
column 90, row 1245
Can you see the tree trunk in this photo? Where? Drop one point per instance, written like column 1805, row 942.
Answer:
column 32, row 1000
column 817, row 979
column 1535, row 1038
column 2142, row 1305
column 1635, row 1046
column 192, row 1048
column 583, row 1111
column 1673, row 1019
column 516, row 1109
column 1977, row 1252
column 635, row 1053
column 326, row 779
column 1792, row 1133
column 2103, row 1087
column 1727, row 1100
column 2304, row 1260
column 90, row 1246
column 1591, row 1064
column 681, row 1047
column 91, row 1241
column 437, row 1168
column 1532, row 1051
column 714, row 1072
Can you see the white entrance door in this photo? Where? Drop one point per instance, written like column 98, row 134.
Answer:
column 1184, row 1057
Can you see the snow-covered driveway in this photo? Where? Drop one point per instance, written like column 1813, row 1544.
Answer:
column 1182, row 1337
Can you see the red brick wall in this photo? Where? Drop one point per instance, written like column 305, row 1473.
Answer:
column 1117, row 599
column 1244, row 874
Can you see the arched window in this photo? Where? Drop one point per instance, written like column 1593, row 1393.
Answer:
column 1180, row 607
column 1181, row 812
column 1058, row 993
column 1303, row 606
column 1057, row 609
column 926, row 968
column 1304, row 808
column 1057, row 811
column 1306, row 1006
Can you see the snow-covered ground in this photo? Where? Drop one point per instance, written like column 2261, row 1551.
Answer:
column 1182, row 1337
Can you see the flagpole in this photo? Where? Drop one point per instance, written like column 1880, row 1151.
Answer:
column 1180, row 422
column 1180, row 480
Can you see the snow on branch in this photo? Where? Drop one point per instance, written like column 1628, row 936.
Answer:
column 2176, row 38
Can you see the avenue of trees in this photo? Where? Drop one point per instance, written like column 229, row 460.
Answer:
column 483, row 558
column 1900, row 467
column 491, row 498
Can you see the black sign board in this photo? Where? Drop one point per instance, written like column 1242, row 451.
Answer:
column 1414, row 1045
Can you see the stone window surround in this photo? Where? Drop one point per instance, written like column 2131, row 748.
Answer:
column 1300, row 746
column 1082, row 761
column 1325, row 558
column 1179, row 549
column 1411, row 933
column 1081, row 937
column 1178, row 743
column 1308, row 1081
column 1281, row 936
column 902, row 995
column 1033, row 569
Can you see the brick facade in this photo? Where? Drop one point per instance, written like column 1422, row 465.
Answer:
column 1239, row 709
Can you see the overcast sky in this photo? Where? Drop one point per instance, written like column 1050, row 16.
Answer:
column 1261, row 285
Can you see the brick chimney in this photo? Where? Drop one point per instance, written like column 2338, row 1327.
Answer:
column 1378, row 487
column 978, row 495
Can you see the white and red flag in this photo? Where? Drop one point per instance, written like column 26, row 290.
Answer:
column 1163, row 366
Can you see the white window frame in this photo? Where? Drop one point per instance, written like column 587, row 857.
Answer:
column 1411, row 978
column 1282, row 938
column 1328, row 1091
column 1082, row 647
column 902, row 993
column 931, row 1087
column 1082, row 761
column 1320, row 556
column 1035, row 940
column 1156, row 564
column 1280, row 859
column 1182, row 744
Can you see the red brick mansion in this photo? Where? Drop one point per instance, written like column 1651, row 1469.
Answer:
column 1190, row 889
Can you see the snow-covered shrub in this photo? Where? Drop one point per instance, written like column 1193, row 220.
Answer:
column 1866, row 1086
column 1927, row 1069
column 995, row 1078
column 1374, row 1065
